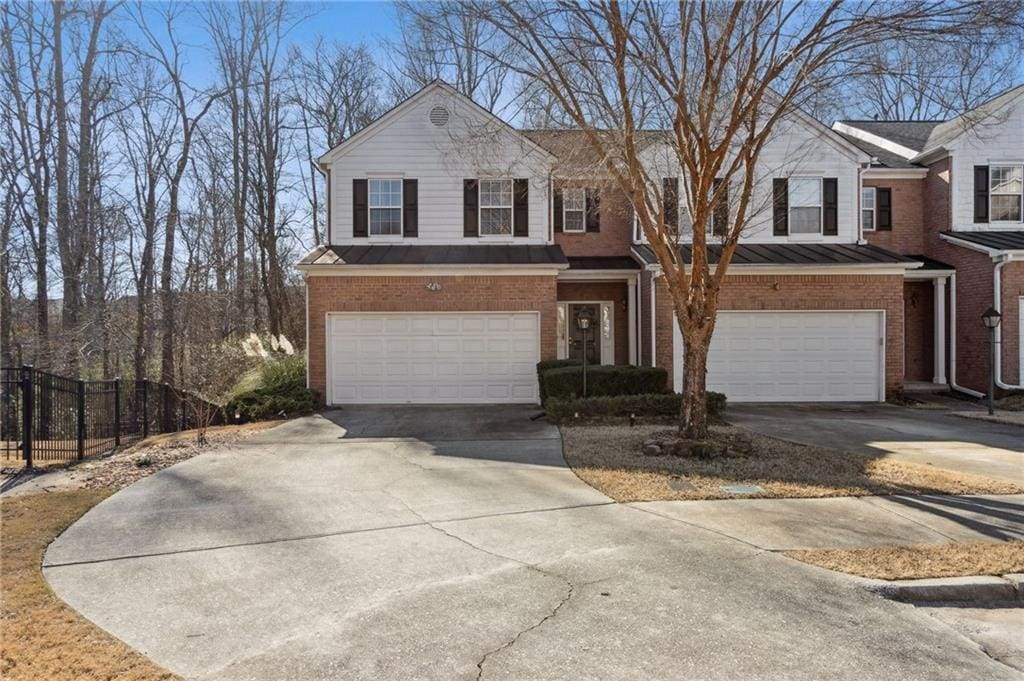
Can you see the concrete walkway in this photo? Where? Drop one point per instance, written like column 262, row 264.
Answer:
column 920, row 436
column 455, row 544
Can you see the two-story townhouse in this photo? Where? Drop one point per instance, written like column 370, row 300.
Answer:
column 951, row 194
column 461, row 251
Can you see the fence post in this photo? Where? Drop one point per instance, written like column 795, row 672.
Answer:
column 26, row 414
column 117, row 412
column 165, row 420
column 145, row 409
column 81, row 420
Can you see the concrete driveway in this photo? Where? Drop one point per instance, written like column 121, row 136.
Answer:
column 452, row 543
column 923, row 436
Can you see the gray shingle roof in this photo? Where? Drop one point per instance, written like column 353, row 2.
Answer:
column 886, row 158
column 946, row 132
column 485, row 254
column 793, row 254
column 996, row 240
column 911, row 134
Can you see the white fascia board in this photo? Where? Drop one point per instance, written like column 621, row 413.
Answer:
column 431, row 270
column 871, row 138
column 591, row 275
column 928, row 274
column 895, row 173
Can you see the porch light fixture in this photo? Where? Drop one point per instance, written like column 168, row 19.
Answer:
column 991, row 318
column 583, row 319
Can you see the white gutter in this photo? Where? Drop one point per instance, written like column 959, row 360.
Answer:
column 952, row 341
column 997, row 292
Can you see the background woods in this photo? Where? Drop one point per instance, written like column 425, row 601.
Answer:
column 157, row 160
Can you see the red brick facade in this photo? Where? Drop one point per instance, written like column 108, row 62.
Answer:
column 615, row 237
column 919, row 330
column 410, row 294
column 803, row 292
column 907, row 234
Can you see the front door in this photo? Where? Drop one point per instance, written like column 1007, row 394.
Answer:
column 593, row 334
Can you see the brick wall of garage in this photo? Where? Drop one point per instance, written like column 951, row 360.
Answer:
column 802, row 292
column 645, row 319
column 409, row 294
column 614, row 291
column 919, row 330
column 907, row 234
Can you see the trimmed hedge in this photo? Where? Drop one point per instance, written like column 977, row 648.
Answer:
column 659, row 404
column 602, row 380
column 548, row 365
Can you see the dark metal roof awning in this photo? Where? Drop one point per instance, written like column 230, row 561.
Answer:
column 399, row 255
column 1002, row 240
column 792, row 254
column 604, row 263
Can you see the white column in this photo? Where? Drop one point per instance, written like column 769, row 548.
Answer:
column 654, row 308
column 940, row 330
column 631, row 316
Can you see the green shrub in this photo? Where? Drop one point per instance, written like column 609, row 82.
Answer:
column 548, row 365
column 603, row 380
column 281, row 391
column 649, row 405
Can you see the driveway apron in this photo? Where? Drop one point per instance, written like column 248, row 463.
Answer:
column 454, row 543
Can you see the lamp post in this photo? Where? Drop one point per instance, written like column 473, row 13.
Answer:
column 583, row 320
column 991, row 319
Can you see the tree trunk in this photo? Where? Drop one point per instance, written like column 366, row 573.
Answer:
column 693, row 416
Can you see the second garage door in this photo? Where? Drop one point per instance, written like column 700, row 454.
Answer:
column 795, row 356
column 395, row 358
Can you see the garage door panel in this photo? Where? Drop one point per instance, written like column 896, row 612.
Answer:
column 436, row 357
column 794, row 356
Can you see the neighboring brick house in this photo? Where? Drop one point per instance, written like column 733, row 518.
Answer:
column 951, row 194
column 461, row 251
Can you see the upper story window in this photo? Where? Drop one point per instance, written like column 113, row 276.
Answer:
column 495, row 207
column 385, row 207
column 574, row 207
column 1006, row 192
column 805, row 205
column 867, row 208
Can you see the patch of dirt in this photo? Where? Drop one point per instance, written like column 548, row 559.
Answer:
column 921, row 561
column 612, row 459
column 1011, row 403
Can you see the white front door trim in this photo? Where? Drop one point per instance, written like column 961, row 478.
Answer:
column 607, row 308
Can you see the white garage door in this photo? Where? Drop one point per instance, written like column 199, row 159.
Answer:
column 399, row 358
column 794, row 356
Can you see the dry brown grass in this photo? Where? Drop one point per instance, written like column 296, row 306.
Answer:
column 43, row 638
column 609, row 459
column 921, row 562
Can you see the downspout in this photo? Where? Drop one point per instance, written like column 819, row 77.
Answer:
column 952, row 342
column 997, row 292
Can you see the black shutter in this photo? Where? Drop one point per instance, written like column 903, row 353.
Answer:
column 360, row 208
column 780, row 206
column 520, row 207
column 410, row 207
column 670, row 199
column 470, row 214
column 593, row 211
column 981, row 193
column 830, row 200
column 720, row 221
column 883, row 208
column 556, row 208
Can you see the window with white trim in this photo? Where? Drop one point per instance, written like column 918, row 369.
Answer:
column 574, row 207
column 1006, row 192
column 495, row 207
column 385, row 207
column 867, row 208
column 805, row 205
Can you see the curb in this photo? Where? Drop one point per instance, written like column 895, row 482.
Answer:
column 952, row 589
column 983, row 416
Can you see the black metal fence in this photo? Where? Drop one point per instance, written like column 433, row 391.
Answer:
column 46, row 417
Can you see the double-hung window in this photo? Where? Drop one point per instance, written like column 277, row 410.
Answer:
column 805, row 205
column 867, row 208
column 1006, row 192
column 574, row 207
column 385, row 207
column 495, row 207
